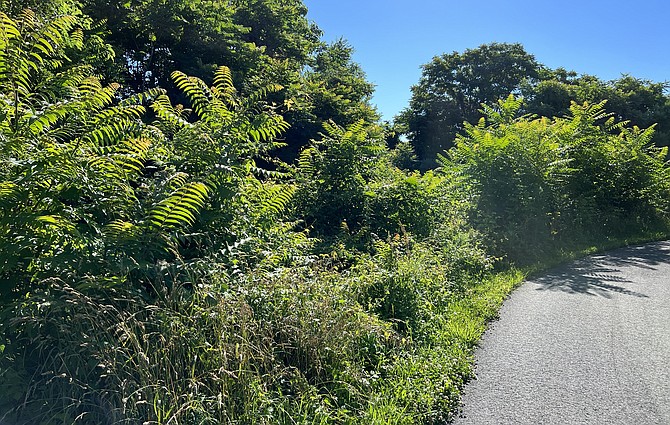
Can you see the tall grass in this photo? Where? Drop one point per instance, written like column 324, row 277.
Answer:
column 286, row 348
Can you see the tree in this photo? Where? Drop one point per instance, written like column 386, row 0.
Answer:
column 69, row 156
column 152, row 38
column 334, row 88
column 642, row 102
column 88, row 189
column 279, row 26
column 452, row 89
column 538, row 182
column 259, row 40
column 332, row 177
column 44, row 8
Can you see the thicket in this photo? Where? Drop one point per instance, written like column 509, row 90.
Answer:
column 153, row 272
column 538, row 184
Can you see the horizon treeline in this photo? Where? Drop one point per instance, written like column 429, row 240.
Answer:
column 454, row 86
column 139, row 43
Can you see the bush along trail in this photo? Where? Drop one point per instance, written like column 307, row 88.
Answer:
column 158, row 265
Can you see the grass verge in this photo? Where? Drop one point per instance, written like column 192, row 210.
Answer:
column 390, row 340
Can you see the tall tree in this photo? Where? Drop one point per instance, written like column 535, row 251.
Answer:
column 642, row 102
column 261, row 41
column 453, row 87
column 334, row 88
column 155, row 37
column 42, row 7
column 87, row 188
column 280, row 26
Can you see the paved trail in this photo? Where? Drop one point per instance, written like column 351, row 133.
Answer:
column 587, row 344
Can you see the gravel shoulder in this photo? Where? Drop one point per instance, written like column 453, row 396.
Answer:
column 588, row 343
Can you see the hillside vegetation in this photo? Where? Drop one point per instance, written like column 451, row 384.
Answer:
column 160, row 265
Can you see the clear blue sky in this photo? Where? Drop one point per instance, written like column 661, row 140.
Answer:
column 393, row 38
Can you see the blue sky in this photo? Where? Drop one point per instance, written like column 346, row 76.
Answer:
column 393, row 38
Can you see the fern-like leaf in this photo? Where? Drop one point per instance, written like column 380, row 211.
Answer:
column 169, row 114
column 276, row 198
column 195, row 89
column 121, row 230
column 180, row 209
column 223, row 85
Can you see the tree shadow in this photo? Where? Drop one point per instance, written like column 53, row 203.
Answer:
column 600, row 274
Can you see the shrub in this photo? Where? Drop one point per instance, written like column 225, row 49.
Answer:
column 332, row 178
column 398, row 202
column 531, row 180
column 296, row 344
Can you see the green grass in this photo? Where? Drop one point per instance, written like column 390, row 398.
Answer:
column 425, row 386
column 390, row 340
column 309, row 345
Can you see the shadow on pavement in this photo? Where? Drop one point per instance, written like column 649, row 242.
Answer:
column 599, row 275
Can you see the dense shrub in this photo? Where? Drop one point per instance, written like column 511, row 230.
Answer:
column 88, row 189
column 537, row 183
column 287, row 346
column 399, row 202
column 348, row 178
column 332, row 177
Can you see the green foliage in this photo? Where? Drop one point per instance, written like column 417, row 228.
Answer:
column 153, row 272
column 411, row 283
column 454, row 86
column 89, row 189
column 43, row 8
column 140, row 43
column 452, row 89
column 346, row 182
column 279, row 27
column 644, row 103
column 153, row 38
column 332, row 177
column 189, row 356
column 539, row 182
column 68, row 156
column 337, row 86
column 94, row 202
column 333, row 88
column 398, row 202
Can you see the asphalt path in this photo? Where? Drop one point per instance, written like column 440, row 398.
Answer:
column 588, row 343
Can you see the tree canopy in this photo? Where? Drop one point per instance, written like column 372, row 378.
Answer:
column 333, row 88
column 453, row 87
column 261, row 41
column 642, row 102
